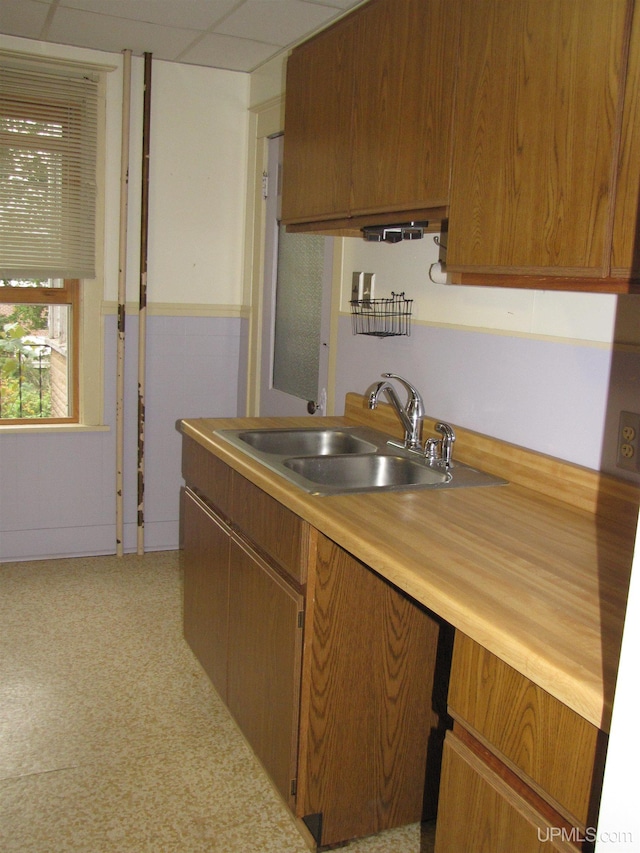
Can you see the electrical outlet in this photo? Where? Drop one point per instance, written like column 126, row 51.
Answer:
column 628, row 455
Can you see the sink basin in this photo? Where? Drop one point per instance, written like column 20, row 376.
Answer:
column 306, row 442
column 347, row 459
column 365, row 471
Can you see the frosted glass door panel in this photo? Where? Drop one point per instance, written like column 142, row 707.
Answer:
column 297, row 314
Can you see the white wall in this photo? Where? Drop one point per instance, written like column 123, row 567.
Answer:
column 58, row 488
column 268, row 81
column 197, row 185
column 405, row 267
column 619, row 824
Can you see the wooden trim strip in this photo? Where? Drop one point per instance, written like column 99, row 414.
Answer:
column 542, row 281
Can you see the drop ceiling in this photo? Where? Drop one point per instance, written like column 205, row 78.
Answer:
column 239, row 35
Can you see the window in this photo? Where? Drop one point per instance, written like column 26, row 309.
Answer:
column 48, row 187
column 39, row 350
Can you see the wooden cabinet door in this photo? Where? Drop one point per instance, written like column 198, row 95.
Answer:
column 480, row 813
column 317, row 136
column 265, row 650
column 405, row 61
column 206, row 588
column 370, row 717
column 625, row 256
column 536, row 117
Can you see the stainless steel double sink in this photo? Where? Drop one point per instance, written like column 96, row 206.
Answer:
column 345, row 460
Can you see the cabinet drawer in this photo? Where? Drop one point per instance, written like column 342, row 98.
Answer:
column 271, row 527
column 480, row 813
column 206, row 474
column 558, row 751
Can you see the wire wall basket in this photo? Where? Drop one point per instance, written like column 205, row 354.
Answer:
column 382, row 318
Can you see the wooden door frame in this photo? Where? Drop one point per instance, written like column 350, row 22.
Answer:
column 266, row 120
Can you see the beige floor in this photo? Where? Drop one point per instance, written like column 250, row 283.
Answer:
column 111, row 737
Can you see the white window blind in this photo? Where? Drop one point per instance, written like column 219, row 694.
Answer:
column 48, row 143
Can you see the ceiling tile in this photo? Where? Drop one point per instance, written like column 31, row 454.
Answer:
column 186, row 14
column 275, row 21
column 22, row 17
column 74, row 26
column 247, row 32
column 220, row 51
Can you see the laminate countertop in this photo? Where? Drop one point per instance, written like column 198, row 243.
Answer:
column 536, row 571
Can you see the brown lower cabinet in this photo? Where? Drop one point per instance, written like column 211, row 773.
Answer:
column 335, row 677
column 521, row 771
column 373, row 716
column 346, row 688
column 243, row 623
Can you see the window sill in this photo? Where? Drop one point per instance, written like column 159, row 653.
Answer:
column 51, row 428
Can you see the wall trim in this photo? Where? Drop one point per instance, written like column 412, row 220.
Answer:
column 171, row 309
column 29, row 429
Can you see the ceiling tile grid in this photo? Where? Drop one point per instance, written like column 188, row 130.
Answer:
column 239, row 35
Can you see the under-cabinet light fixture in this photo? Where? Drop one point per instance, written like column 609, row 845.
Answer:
column 394, row 233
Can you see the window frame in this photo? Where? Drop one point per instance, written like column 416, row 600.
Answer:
column 66, row 294
column 91, row 307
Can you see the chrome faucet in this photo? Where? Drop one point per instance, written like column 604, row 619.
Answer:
column 410, row 414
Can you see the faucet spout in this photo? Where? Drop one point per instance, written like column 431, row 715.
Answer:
column 410, row 415
column 392, row 397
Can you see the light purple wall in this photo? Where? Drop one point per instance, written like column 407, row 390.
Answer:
column 57, row 495
column 558, row 398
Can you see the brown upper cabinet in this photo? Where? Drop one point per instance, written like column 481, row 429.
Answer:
column 625, row 257
column 541, row 169
column 518, row 121
column 369, row 117
column 317, row 139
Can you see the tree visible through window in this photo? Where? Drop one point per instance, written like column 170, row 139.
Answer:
column 37, row 352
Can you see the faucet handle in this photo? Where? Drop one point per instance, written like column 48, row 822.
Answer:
column 432, row 449
column 415, row 404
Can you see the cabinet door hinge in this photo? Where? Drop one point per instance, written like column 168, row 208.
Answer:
column 265, row 185
column 300, row 618
column 294, row 787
